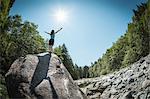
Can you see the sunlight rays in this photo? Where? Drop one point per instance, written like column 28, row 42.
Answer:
column 61, row 15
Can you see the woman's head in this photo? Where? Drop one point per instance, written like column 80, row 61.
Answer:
column 52, row 32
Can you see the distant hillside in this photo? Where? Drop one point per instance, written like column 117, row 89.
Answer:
column 130, row 47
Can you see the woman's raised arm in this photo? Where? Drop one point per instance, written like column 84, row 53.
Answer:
column 58, row 30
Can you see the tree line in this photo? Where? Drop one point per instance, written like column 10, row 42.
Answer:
column 130, row 47
column 77, row 72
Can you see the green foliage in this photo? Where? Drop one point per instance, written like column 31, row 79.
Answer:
column 85, row 72
column 20, row 38
column 3, row 90
column 17, row 39
column 103, row 72
column 5, row 6
column 75, row 71
column 62, row 52
column 130, row 47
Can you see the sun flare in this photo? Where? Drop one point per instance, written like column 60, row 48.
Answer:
column 61, row 15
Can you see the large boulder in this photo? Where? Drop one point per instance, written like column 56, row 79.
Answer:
column 41, row 76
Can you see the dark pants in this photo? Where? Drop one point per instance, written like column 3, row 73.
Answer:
column 51, row 42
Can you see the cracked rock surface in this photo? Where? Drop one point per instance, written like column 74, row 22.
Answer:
column 41, row 76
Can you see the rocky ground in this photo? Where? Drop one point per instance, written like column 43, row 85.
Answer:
column 132, row 82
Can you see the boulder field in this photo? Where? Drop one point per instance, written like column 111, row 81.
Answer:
column 132, row 82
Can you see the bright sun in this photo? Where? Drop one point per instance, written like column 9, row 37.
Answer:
column 61, row 15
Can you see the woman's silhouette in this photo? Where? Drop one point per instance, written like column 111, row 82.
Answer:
column 52, row 37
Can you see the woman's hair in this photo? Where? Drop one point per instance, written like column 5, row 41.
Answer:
column 52, row 32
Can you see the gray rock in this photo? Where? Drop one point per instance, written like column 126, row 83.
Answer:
column 121, row 86
column 99, row 89
column 130, row 80
column 148, row 95
column 129, row 73
column 113, row 91
column 105, row 95
column 143, row 95
column 117, row 82
column 141, row 74
column 41, row 76
column 128, row 95
column 140, row 95
column 142, row 60
column 145, row 84
column 95, row 96
column 106, row 84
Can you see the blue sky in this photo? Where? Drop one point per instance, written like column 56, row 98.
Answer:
column 91, row 28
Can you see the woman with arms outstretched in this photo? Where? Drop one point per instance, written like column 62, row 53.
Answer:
column 52, row 37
